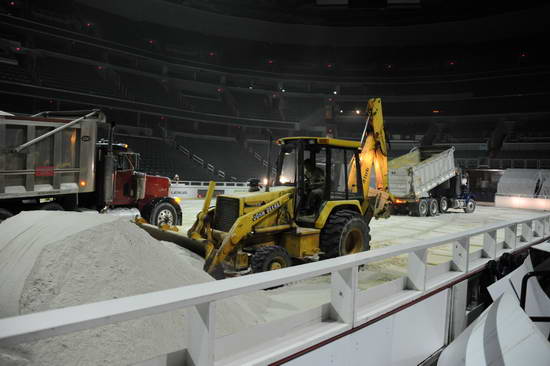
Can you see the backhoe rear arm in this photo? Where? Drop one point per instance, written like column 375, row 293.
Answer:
column 374, row 151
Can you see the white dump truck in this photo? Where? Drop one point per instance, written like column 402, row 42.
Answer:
column 426, row 182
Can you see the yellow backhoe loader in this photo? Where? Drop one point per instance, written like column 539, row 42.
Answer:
column 319, row 206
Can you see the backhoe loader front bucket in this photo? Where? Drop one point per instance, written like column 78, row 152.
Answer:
column 195, row 246
column 216, row 271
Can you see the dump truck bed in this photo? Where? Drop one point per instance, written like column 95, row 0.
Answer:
column 61, row 163
column 413, row 175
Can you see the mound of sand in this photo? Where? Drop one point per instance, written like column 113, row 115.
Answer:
column 52, row 260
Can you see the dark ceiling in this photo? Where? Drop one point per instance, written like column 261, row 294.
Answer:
column 358, row 12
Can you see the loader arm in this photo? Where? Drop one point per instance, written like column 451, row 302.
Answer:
column 198, row 227
column 374, row 152
column 240, row 229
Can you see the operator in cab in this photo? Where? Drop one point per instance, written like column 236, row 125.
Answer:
column 315, row 182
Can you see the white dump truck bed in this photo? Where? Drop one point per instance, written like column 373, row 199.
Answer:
column 414, row 174
column 61, row 163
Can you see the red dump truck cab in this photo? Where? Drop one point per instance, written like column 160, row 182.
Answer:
column 132, row 188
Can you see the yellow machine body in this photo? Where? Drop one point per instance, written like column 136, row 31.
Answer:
column 244, row 223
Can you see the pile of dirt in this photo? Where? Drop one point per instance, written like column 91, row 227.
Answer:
column 51, row 260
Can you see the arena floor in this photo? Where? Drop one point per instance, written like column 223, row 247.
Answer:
column 385, row 232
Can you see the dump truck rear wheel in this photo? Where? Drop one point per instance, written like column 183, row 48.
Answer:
column 433, row 209
column 443, row 204
column 4, row 214
column 270, row 258
column 345, row 232
column 470, row 206
column 421, row 208
column 51, row 206
column 163, row 213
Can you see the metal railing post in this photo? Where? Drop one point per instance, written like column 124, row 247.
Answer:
column 201, row 325
column 527, row 231
column 538, row 228
column 510, row 236
column 343, row 288
column 461, row 254
column 490, row 244
column 416, row 269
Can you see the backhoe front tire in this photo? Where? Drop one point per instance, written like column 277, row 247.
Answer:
column 345, row 232
column 270, row 258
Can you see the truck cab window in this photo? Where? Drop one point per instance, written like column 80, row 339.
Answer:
column 123, row 163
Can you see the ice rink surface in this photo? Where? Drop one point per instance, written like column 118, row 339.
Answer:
column 384, row 232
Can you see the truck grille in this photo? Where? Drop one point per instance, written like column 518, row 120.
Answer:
column 227, row 212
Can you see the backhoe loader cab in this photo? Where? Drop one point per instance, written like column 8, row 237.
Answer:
column 318, row 168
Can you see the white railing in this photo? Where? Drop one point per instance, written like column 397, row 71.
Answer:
column 264, row 343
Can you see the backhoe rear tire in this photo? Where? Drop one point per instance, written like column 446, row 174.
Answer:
column 270, row 258
column 345, row 232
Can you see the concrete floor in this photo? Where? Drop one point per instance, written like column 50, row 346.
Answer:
column 384, row 232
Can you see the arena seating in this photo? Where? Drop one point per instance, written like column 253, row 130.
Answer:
column 146, row 89
column 225, row 154
column 211, row 76
column 64, row 74
column 160, row 158
column 14, row 73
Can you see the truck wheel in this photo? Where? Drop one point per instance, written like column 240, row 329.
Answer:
column 421, row 208
column 163, row 213
column 4, row 214
column 51, row 206
column 433, row 209
column 345, row 232
column 270, row 258
column 470, row 206
column 443, row 204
